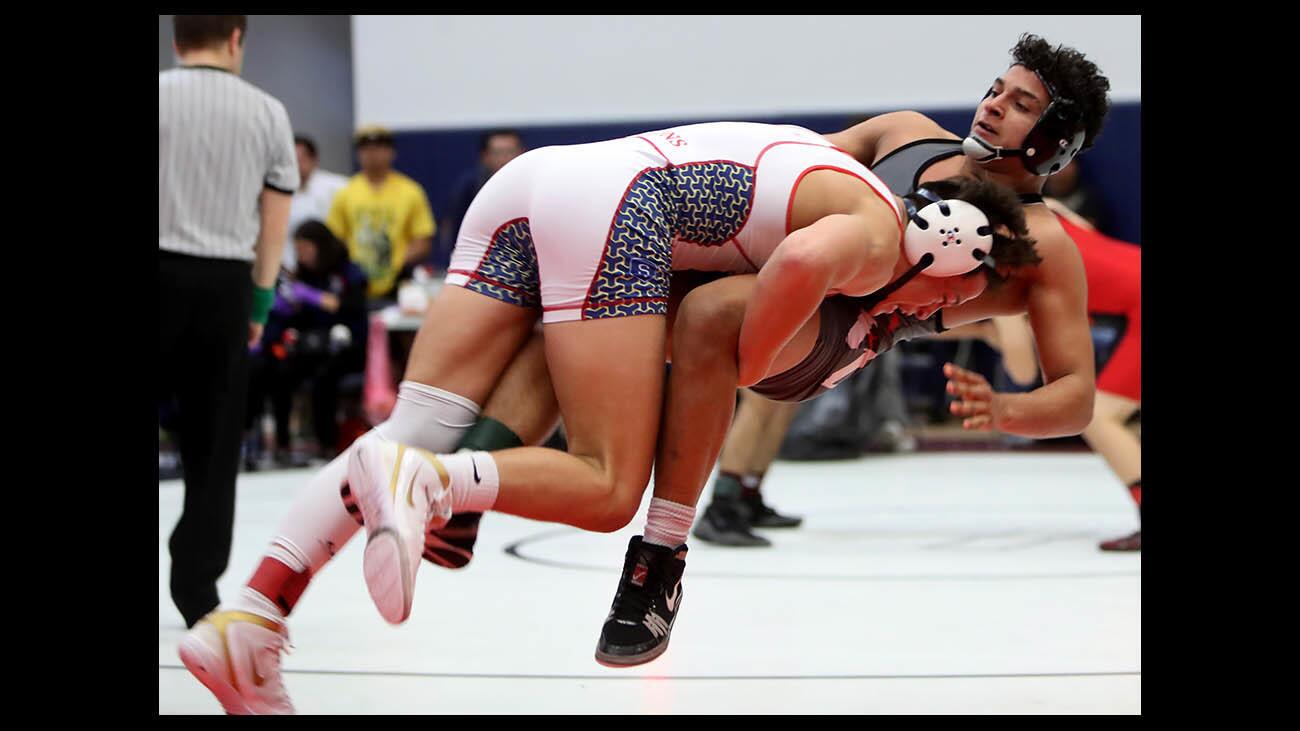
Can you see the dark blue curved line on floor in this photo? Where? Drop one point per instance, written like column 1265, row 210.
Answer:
column 513, row 551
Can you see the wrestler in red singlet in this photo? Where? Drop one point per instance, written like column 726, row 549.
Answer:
column 1114, row 272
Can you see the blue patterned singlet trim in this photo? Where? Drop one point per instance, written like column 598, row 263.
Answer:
column 704, row 203
column 508, row 271
column 711, row 201
column 633, row 274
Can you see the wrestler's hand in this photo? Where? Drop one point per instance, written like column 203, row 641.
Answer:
column 975, row 400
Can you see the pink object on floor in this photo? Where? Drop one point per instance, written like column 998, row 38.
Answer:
column 379, row 395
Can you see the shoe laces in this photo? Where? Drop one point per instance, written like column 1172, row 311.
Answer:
column 729, row 514
column 632, row 601
column 271, row 659
column 633, row 604
column 280, row 643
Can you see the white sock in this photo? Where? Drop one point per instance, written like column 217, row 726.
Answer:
column 667, row 523
column 284, row 551
column 474, row 481
column 317, row 525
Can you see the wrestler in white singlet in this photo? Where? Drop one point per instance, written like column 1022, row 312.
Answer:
column 592, row 231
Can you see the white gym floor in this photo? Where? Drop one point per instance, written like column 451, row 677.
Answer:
column 931, row 583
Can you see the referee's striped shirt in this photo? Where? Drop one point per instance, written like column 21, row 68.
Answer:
column 220, row 141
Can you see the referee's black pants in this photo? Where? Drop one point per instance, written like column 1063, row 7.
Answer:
column 205, row 305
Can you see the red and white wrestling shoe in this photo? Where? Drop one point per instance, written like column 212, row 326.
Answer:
column 402, row 494
column 449, row 545
column 236, row 655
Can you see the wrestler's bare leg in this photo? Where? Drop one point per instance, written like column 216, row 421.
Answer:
column 608, row 379
column 1111, row 439
column 598, row 484
column 701, row 392
column 524, row 399
column 522, row 410
column 748, row 448
column 1120, row 447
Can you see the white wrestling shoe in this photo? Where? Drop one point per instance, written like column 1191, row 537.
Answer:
column 236, row 655
column 401, row 495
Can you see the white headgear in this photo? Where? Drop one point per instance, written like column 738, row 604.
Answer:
column 954, row 233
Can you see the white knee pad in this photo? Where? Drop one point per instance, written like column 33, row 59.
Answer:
column 318, row 525
column 429, row 418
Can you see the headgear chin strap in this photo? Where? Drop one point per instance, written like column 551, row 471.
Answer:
column 944, row 239
column 1051, row 144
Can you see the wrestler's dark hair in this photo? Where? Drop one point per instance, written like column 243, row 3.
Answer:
column 1012, row 245
column 1071, row 75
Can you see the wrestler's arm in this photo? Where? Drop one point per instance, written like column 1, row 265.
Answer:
column 1008, row 334
column 1056, row 301
column 867, row 140
column 792, row 284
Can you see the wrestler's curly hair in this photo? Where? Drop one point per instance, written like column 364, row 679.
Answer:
column 1073, row 76
column 1012, row 245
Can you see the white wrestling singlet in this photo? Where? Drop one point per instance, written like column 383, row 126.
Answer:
column 592, row 231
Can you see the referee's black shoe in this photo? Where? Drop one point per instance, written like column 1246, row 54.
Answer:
column 645, row 607
column 761, row 515
column 725, row 522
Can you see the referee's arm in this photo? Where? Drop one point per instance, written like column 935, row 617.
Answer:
column 274, row 206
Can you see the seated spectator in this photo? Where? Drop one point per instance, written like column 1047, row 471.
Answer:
column 314, row 195
column 496, row 148
column 382, row 215
column 316, row 334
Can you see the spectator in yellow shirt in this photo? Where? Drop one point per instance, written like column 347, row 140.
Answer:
column 382, row 215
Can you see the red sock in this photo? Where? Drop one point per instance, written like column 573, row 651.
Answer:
column 1135, row 490
column 279, row 583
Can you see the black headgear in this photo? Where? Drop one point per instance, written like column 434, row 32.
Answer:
column 1054, row 140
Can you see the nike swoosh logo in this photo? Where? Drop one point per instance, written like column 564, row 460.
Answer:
column 476, row 477
column 672, row 598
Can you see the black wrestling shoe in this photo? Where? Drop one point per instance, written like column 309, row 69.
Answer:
column 725, row 523
column 762, row 516
column 649, row 595
column 451, row 546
